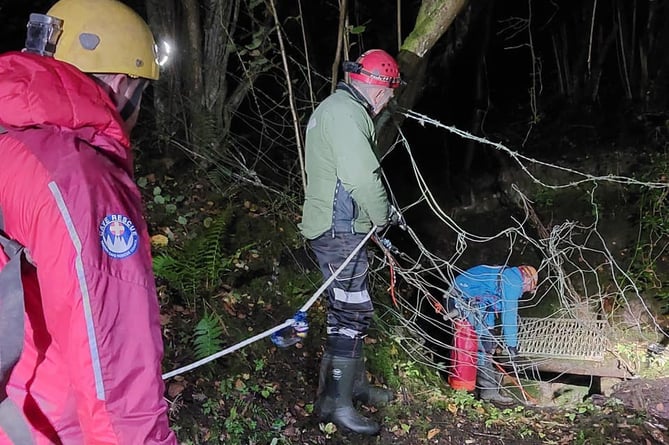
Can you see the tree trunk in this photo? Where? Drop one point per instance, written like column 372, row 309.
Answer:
column 194, row 101
column 657, row 88
column 481, row 99
column 166, row 98
column 434, row 18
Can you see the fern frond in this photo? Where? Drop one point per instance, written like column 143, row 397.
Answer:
column 203, row 261
column 208, row 337
column 167, row 267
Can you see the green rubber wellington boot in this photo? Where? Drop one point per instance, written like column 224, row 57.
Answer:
column 334, row 401
column 366, row 393
column 489, row 381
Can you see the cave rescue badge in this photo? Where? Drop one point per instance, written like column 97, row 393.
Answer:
column 118, row 236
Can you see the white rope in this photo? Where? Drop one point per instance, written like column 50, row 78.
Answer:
column 332, row 277
column 285, row 324
column 229, row 350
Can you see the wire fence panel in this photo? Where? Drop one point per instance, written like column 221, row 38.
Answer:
column 563, row 338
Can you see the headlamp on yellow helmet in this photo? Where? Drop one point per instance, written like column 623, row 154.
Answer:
column 163, row 51
column 42, row 34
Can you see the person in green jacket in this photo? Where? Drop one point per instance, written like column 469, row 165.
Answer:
column 345, row 198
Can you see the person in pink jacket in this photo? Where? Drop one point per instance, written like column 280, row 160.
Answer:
column 90, row 368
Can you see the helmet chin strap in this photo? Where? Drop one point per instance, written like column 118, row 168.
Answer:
column 133, row 101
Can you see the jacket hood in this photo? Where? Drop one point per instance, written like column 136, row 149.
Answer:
column 38, row 91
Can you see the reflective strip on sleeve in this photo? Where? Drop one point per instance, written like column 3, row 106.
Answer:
column 85, row 295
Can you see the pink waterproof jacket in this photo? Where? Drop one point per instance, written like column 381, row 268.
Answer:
column 90, row 370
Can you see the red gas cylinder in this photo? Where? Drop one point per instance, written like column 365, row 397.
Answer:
column 464, row 357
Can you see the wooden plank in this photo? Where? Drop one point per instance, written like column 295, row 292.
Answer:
column 606, row 368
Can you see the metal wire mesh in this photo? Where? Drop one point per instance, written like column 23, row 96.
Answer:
column 563, row 338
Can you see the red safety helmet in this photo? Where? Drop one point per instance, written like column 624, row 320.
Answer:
column 375, row 67
column 530, row 277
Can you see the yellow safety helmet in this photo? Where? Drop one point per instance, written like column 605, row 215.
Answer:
column 105, row 36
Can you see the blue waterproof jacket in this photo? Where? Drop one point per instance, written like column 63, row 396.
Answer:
column 492, row 290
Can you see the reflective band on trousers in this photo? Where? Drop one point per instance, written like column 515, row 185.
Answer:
column 357, row 297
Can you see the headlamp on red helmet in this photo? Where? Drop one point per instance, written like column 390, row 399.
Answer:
column 375, row 67
column 530, row 277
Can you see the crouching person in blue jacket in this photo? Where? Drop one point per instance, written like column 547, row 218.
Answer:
column 482, row 294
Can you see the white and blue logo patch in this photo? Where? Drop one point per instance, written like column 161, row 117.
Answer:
column 118, row 236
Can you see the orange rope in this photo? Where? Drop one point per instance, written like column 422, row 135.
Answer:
column 391, row 263
column 391, row 289
column 436, row 304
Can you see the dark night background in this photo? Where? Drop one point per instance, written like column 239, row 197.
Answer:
column 481, row 69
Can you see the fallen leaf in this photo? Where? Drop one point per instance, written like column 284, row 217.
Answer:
column 168, row 232
column 453, row 408
column 175, row 389
column 229, row 309
column 300, row 411
column 159, row 240
column 398, row 432
column 433, row 432
column 328, row 428
column 290, row 431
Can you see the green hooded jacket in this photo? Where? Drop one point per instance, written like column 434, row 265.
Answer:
column 344, row 188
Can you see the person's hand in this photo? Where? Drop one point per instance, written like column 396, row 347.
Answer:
column 451, row 314
column 396, row 219
column 450, row 311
